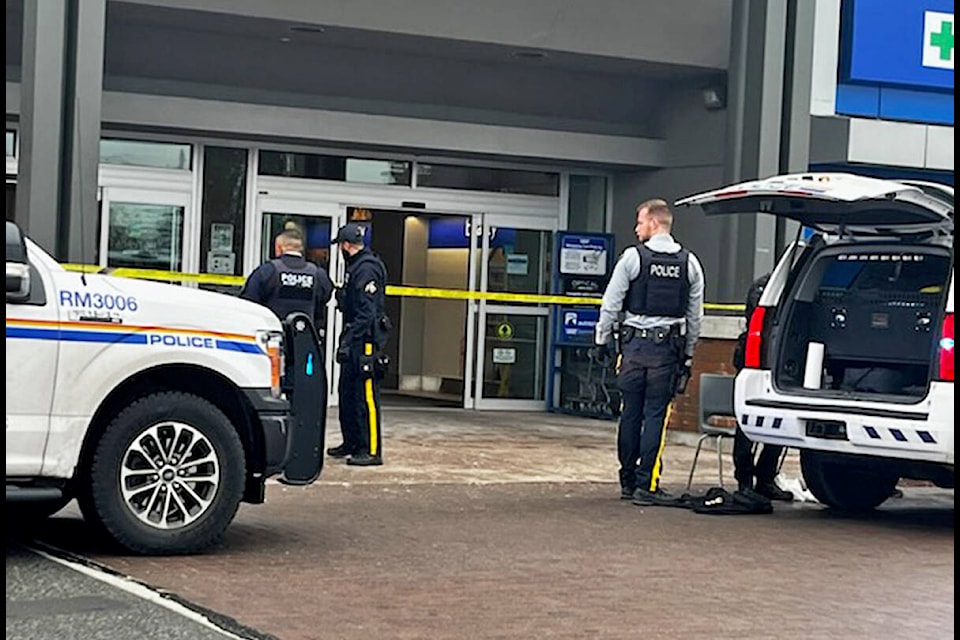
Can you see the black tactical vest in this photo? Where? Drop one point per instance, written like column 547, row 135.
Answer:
column 663, row 286
column 294, row 287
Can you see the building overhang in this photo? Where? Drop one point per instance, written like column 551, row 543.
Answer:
column 418, row 135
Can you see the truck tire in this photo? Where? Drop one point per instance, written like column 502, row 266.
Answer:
column 843, row 484
column 167, row 475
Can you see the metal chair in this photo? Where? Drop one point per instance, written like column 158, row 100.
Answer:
column 717, row 417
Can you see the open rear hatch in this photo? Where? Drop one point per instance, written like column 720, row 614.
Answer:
column 834, row 203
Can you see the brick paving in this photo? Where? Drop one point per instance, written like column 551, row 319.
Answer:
column 505, row 525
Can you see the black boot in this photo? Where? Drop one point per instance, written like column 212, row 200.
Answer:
column 340, row 452
column 773, row 492
column 364, row 459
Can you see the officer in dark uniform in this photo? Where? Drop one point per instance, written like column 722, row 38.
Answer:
column 360, row 351
column 289, row 283
column 658, row 287
column 764, row 468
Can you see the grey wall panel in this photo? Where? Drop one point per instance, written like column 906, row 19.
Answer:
column 360, row 129
column 828, row 139
column 13, row 98
column 887, row 143
column 678, row 32
column 709, row 238
column 939, row 152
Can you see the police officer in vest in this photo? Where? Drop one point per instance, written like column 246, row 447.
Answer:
column 658, row 286
column 289, row 283
column 363, row 363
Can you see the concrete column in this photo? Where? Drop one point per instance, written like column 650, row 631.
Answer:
column 85, row 90
column 41, row 122
column 60, row 101
column 770, row 75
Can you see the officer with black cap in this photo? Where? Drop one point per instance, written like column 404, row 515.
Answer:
column 658, row 287
column 365, row 331
column 289, row 283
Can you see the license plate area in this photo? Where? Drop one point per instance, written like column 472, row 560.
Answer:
column 826, row 429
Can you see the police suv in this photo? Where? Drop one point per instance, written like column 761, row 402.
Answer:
column 158, row 407
column 850, row 353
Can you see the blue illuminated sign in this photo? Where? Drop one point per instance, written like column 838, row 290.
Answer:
column 896, row 42
column 454, row 233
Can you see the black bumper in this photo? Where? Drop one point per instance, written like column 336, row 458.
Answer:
column 277, row 425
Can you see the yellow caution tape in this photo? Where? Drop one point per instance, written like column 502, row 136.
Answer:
column 391, row 290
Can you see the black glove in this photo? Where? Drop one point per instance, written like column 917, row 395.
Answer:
column 599, row 352
column 683, row 375
column 343, row 354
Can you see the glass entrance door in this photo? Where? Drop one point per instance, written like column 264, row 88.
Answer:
column 512, row 335
column 316, row 222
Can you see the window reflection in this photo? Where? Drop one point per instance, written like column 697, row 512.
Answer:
column 140, row 153
column 519, row 260
column 314, row 229
column 145, row 236
column 323, row 167
column 537, row 183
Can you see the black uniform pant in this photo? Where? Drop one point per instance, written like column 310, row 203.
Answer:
column 647, row 380
column 744, row 467
column 359, row 393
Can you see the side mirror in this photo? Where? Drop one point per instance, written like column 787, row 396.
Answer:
column 18, row 269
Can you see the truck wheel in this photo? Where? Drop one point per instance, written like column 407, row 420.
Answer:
column 844, row 485
column 167, row 475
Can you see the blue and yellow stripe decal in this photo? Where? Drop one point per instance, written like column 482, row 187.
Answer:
column 114, row 333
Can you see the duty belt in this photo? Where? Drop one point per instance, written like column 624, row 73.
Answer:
column 655, row 334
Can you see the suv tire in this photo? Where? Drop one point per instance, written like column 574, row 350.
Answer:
column 167, row 475
column 839, row 482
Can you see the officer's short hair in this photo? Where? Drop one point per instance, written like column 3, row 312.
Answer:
column 658, row 209
column 291, row 239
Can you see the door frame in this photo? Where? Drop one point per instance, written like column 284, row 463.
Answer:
column 149, row 185
column 484, row 308
column 313, row 208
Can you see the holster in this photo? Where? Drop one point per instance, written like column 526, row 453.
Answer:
column 374, row 365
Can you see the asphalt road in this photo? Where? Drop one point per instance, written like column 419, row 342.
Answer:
column 49, row 601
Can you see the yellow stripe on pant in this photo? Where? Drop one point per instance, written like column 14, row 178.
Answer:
column 658, row 463
column 371, row 401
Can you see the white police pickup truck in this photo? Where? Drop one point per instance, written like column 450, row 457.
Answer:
column 850, row 354
column 158, row 407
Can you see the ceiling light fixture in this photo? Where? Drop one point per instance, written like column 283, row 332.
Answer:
column 530, row 55
column 307, row 28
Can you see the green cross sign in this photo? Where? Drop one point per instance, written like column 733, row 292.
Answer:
column 943, row 40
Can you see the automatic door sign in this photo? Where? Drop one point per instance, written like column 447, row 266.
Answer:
column 505, row 331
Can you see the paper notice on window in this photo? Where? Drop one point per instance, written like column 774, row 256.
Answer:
column 504, row 356
column 583, row 256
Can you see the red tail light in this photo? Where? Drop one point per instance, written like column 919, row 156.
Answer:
column 946, row 350
column 751, row 359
